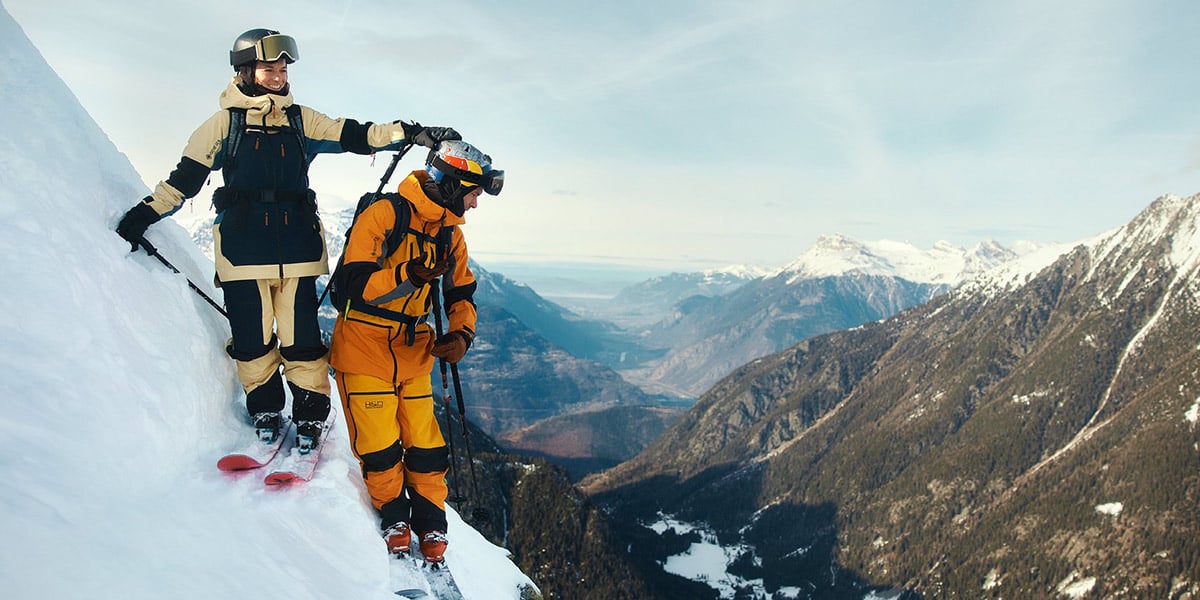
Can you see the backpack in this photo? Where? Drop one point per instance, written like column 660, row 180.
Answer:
column 336, row 288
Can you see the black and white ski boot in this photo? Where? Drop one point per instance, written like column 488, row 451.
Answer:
column 308, row 434
column 267, row 426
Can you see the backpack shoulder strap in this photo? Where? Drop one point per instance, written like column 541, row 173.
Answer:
column 293, row 115
column 295, row 120
column 403, row 219
column 399, row 207
column 444, row 239
column 237, row 127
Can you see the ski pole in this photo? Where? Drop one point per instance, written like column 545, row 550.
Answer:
column 387, row 174
column 462, row 420
column 479, row 513
column 437, row 319
column 462, row 409
column 152, row 251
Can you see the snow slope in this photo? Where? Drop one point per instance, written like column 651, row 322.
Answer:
column 118, row 400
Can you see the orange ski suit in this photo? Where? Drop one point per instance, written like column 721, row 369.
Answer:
column 380, row 353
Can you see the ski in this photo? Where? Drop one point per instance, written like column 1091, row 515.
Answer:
column 442, row 582
column 293, row 466
column 408, row 579
column 416, row 579
column 254, row 453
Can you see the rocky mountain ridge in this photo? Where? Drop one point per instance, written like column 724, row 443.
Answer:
column 1029, row 433
column 836, row 284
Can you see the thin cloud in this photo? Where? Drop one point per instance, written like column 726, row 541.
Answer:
column 672, row 124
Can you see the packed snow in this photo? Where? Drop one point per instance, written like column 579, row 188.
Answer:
column 1076, row 586
column 120, row 399
column 706, row 561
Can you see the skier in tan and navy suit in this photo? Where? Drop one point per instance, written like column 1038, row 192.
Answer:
column 269, row 244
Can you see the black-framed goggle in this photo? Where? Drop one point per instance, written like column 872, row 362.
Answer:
column 274, row 47
column 491, row 182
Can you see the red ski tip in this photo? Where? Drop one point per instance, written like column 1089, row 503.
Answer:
column 281, row 478
column 237, row 462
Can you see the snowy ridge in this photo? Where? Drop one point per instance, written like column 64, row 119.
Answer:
column 119, row 400
column 1017, row 272
column 1169, row 218
column 945, row 263
column 735, row 271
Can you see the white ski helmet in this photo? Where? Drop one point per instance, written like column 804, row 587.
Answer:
column 462, row 163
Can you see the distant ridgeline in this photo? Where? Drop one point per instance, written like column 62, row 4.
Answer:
column 1030, row 434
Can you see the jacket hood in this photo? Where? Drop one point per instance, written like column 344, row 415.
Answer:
column 266, row 109
column 427, row 209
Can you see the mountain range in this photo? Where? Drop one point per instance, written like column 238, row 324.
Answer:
column 539, row 377
column 1030, row 434
column 836, row 284
column 645, row 303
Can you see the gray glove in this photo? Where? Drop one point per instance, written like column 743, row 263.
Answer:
column 428, row 136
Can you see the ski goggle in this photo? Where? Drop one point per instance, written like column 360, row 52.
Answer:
column 491, row 182
column 274, row 47
column 269, row 48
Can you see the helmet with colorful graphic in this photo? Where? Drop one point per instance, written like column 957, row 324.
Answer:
column 266, row 45
column 458, row 168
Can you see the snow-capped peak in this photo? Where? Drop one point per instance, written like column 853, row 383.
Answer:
column 944, row 263
column 1170, row 218
column 736, row 272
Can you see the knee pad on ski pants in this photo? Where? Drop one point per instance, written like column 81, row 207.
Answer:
column 274, row 321
column 380, row 415
column 385, row 424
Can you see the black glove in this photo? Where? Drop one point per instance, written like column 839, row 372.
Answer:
column 135, row 222
column 419, row 274
column 428, row 136
column 452, row 346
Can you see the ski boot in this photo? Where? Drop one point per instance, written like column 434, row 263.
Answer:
column 267, row 426
column 433, row 548
column 398, row 538
column 308, row 435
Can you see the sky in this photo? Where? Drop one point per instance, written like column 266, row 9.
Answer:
column 118, row 401
column 690, row 135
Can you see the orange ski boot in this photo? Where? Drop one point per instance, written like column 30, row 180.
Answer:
column 433, row 547
column 399, row 538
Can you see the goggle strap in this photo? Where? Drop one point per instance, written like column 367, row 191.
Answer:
column 491, row 182
column 457, row 173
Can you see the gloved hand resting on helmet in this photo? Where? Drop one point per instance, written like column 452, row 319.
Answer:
column 428, row 136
